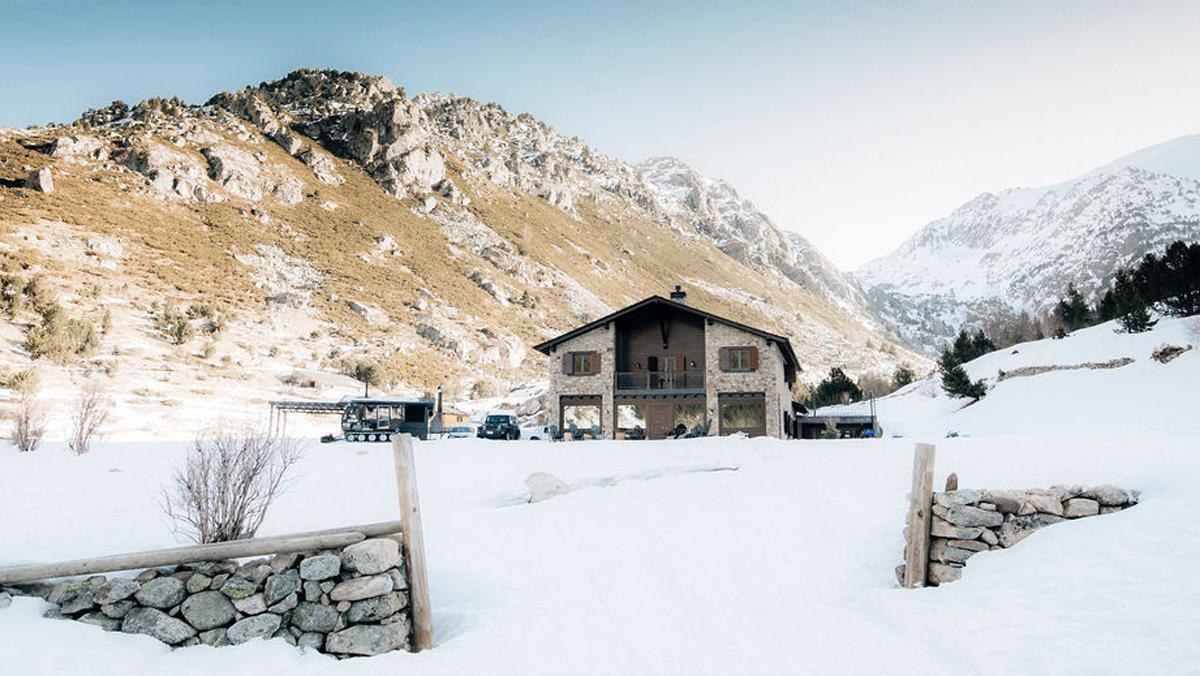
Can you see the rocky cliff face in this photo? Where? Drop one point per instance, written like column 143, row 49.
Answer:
column 328, row 217
column 1017, row 250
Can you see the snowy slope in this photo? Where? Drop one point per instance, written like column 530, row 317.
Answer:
column 657, row 564
column 1142, row 397
column 1017, row 249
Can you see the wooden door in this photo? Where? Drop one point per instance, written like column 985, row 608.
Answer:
column 659, row 419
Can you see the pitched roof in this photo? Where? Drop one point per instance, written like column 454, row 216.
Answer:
column 785, row 345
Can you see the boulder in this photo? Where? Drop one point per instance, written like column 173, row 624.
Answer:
column 278, row 587
column 1107, row 495
column 198, row 582
column 117, row 610
column 251, row 605
column 945, row 529
column 941, row 573
column 73, row 597
column 239, row 587
column 101, row 620
column 311, row 639
column 286, row 603
column 153, row 622
column 41, row 180
column 377, row 608
column 320, row 567
column 543, row 486
column 314, row 617
column 969, row 517
column 161, row 592
column 958, row 498
column 1077, row 507
column 362, row 588
column 259, row 626
column 1046, row 503
column 988, row 536
column 371, row 557
column 952, row 482
column 1020, row 527
column 939, row 550
column 1006, row 502
column 367, row 639
column 71, row 147
column 116, row 589
column 214, row 637
column 208, row 610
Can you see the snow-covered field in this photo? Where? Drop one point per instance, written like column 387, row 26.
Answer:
column 709, row 556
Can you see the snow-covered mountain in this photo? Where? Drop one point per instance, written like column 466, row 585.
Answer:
column 714, row 209
column 1018, row 249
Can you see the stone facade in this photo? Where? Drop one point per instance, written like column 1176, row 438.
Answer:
column 602, row 341
column 769, row 378
column 347, row 602
column 969, row 521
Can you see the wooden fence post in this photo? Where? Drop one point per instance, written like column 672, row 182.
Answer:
column 920, row 505
column 414, row 542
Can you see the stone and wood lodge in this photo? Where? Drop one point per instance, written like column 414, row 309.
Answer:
column 660, row 365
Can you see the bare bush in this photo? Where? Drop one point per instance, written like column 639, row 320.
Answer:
column 29, row 425
column 230, row 479
column 89, row 413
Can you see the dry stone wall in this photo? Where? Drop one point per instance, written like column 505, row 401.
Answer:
column 347, row 602
column 968, row 521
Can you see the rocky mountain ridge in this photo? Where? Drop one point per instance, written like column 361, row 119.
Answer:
column 327, row 217
column 1016, row 250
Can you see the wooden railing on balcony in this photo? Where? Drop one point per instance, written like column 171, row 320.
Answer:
column 660, row 381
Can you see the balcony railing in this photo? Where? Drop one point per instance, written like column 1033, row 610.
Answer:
column 661, row 381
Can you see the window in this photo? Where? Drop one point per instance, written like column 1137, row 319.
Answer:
column 739, row 359
column 689, row 415
column 583, row 417
column 743, row 413
column 582, row 363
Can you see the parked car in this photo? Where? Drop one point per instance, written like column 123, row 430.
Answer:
column 499, row 426
column 542, row 433
column 460, row 432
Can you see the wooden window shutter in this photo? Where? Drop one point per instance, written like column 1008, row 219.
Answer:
column 724, row 358
column 753, row 358
column 680, row 364
column 595, row 363
column 566, row 358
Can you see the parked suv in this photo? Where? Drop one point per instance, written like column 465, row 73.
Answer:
column 499, row 426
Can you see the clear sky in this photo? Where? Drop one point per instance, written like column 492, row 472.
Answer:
column 853, row 123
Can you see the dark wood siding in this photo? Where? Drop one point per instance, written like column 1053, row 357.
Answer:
column 640, row 337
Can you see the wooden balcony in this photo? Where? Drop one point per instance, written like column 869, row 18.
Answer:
column 660, row 382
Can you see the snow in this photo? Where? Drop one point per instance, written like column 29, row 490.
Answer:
column 1144, row 396
column 710, row 556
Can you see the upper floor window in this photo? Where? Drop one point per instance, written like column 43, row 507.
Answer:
column 581, row 363
column 739, row 359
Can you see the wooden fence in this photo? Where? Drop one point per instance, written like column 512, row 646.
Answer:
column 409, row 525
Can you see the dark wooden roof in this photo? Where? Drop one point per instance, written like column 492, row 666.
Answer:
column 785, row 345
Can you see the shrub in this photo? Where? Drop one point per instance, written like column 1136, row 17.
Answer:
column 25, row 380
column 173, row 325
column 89, row 413
column 837, row 388
column 60, row 338
column 228, row 482
column 29, row 425
column 106, row 322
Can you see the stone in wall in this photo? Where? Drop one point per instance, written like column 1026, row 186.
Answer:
column 352, row 602
column 969, row 521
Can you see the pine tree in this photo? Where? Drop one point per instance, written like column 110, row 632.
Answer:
column 1130, row 305
column 903, row 376
column 1072, row 311
column 957, row 383
column 836, row 388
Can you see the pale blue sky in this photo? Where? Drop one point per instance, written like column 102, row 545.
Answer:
column 852, row 123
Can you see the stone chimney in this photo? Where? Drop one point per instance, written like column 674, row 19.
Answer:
column 679, row 295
